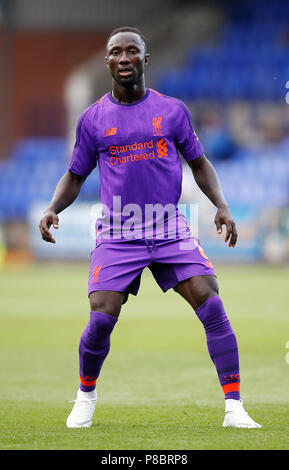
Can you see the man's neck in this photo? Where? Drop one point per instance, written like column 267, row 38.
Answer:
column 124, row 94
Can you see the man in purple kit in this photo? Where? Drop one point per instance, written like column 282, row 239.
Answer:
column 134, row 134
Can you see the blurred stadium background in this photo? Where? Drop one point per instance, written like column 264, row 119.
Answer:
column 229, row 61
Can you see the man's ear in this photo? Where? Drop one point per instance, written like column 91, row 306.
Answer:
column 147, row 56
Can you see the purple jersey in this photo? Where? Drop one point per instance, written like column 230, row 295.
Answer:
column 136, row 147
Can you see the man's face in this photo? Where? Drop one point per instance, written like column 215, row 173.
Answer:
column 126, row 58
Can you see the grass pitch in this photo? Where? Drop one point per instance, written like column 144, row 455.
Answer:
column 158, row 388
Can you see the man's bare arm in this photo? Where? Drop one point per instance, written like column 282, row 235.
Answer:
column 207, row 179
column 65, row 193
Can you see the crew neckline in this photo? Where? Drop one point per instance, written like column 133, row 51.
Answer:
column 129, row 104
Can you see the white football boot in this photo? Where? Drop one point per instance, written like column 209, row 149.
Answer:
column 83, row 410
column 237, row 417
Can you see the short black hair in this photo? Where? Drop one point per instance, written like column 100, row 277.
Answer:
column 127, row 29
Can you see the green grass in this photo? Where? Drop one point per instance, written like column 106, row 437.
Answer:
column 158, row 388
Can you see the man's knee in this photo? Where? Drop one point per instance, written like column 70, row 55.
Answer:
column 204, row 295
column 213, row 316
column 206, row 287
column 198, row 289
column 108, row 302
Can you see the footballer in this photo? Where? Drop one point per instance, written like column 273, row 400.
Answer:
column 135, row 134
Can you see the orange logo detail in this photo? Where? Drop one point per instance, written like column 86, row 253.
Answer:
column 202, row 252
column 87, row 380
column 162, row 148
column 111, row 131
column 157, row 126
column 232, row 377
column 96, row 273
column 209, row 264
column 197, row 138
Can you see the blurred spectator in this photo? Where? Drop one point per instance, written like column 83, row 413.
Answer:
column 215, row 136
column 271, row 127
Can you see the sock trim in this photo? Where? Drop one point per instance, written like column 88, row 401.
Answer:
column 207, row 301
column 105, row 314
column 233, row 387
column 87, row 383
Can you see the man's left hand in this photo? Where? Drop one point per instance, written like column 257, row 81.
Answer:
column 224, row 217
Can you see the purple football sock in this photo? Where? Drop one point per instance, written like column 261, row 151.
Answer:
column 94, row 347
column 222, row 345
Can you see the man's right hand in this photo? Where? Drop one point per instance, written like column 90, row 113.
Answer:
column 49, row 218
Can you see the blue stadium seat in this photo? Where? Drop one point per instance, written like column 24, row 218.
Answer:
column 40, row 163
column 254, row 62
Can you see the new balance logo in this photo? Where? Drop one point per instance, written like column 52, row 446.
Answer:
column 111, row 131
column 162, row 148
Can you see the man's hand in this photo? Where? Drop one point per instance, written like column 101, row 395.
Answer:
column 224, row 217
column 49, row 218
column 207, row 179
column 65, row 193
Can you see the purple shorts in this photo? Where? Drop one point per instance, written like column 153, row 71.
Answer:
column 118, row 266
